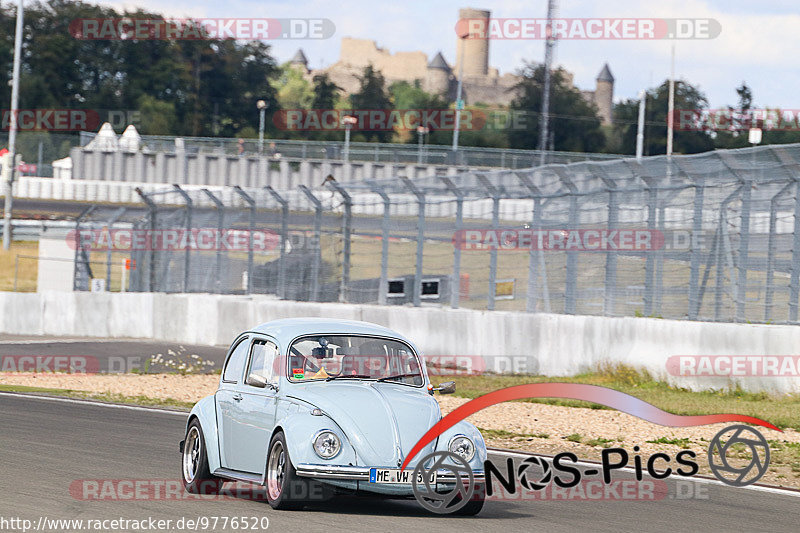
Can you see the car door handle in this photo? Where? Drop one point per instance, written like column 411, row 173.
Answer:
column 238, row 397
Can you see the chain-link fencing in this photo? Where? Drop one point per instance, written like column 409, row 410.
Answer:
column 714, row 236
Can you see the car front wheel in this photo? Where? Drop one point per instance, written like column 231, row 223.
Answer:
column 285, row 490
column 475, row 504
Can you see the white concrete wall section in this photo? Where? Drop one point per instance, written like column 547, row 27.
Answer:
column 554, row 345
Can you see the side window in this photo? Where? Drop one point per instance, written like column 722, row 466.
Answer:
column 235, row 364
column 263, row 360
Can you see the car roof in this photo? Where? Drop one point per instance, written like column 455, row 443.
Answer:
column 288, row 329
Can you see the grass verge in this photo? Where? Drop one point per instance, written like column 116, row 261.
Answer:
column 100, row 397
column 783, row 411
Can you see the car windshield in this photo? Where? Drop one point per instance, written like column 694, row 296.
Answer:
column 328, row 357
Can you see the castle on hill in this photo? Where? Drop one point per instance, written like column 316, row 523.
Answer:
column 481, row 83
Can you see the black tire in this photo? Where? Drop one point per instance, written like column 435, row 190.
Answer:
column 285, row 489
column 475, row 504
column 195, row 475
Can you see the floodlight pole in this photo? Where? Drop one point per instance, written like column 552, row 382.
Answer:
column 548, row 63
column 12, row 130
column 671, row 109
column 640, row 130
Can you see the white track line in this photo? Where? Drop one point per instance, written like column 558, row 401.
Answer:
column 494, row 451
column 94, row 403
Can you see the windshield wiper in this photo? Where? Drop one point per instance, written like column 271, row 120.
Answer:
column 356, row 376
column 398, row 376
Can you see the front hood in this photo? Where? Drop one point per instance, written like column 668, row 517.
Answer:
column 382, row 421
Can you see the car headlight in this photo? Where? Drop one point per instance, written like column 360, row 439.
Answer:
column 327, row 444
column 463, row 447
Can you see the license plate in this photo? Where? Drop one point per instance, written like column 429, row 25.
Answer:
column 394, row 475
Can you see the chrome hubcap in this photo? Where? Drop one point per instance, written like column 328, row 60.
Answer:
column 275, row 470
column 191, row 455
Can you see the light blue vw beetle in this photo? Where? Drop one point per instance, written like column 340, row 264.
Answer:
column 310, row 403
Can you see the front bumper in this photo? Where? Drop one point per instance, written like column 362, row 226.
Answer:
column 361, row 473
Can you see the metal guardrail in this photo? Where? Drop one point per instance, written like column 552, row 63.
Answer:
column 362, row 151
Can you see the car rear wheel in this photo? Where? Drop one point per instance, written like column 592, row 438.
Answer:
column 195, row 474
column 285, row 490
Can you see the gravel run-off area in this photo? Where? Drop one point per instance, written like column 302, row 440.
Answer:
column 524, row 426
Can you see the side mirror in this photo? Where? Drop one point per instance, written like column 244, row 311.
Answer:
column 254, row 380
column 448, row 387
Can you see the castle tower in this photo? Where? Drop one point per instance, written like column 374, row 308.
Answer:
column 604, row 94
column 299, row 61
column 475, row 50
column 437, row 80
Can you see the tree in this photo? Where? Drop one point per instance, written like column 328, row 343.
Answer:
column 326, row 93
column 293, row 90
column 745, row 97
column 157, row 116
column 372, row 95
column 406, row 96
column 782, row 131
column 687, row 97
column 574, row 124
column 207, row 81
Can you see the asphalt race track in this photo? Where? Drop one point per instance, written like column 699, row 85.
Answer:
column 111, row 355
column 46, row 446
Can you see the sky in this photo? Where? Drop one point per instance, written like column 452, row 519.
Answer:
column 759, row 42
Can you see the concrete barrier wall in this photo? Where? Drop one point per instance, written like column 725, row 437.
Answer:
column 245, row 171
column 553, row 345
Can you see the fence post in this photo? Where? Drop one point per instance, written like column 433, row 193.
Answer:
column 455, row 284
column 252, row 204
column 794, row 277
column 420, row 237
column 111, row 221
column 649, row 267
column 189, row 208
column 611, row 257
column 383, row 289
column 495, row 196
column 744, row 236
column 769, row 289
column 744, row 243
column 217, row 242
column 284, row 237
column 697, row 230
column 572, row 258
column 532, row 298
column 347, row 227
column 723, row 221
column 78, row 248
column 315, row 261
column 153, row 211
